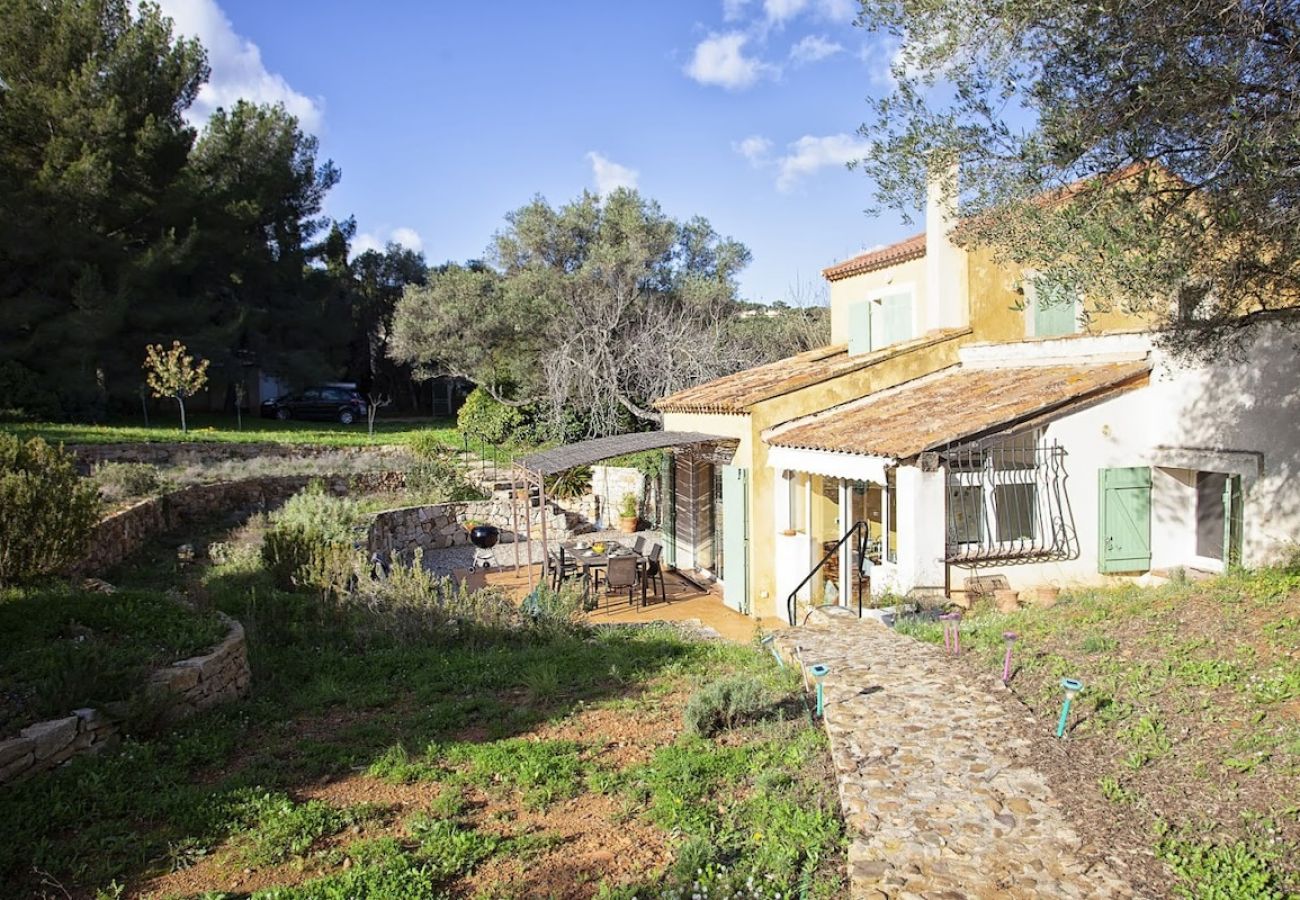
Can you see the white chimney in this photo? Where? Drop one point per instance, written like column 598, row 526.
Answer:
column 945, row 264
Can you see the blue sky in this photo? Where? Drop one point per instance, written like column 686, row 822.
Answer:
column 443, row 117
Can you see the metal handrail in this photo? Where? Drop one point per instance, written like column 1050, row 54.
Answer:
column 858, row 528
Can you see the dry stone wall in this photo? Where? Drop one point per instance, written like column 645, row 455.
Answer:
column 402, row 531
column 192, row 454
column 189, row 685
column 120, row 534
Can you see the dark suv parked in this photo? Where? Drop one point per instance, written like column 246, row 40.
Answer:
column 336, row 404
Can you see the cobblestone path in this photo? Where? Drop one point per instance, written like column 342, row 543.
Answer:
column 937, row 800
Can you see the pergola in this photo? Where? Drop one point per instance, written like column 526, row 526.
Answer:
column 533, row 470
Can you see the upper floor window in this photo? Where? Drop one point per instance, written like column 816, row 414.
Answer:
column 1053, row 307
column 881, row 320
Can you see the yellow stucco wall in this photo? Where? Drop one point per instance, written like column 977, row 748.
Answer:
column 851, row 290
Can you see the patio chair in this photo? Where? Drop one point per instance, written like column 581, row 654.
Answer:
column 654, row 570
column 639, row 544
column 621, row 574
column 470, row 579
column 563, row 568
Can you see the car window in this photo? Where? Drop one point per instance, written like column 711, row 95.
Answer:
column 335, row 395
column 311, row 394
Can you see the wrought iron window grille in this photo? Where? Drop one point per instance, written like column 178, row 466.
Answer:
column 1007, row 502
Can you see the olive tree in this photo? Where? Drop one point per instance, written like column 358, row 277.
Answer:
column 1144, row 153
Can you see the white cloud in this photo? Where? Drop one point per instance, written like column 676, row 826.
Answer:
column 837, row 10
column 754, row 148
column 810, row 154
column 733, row 9
column 720, row 60
column 781, row 10
column 237, row 67
column 379, row 241
column 609, row 175
column 813, row 48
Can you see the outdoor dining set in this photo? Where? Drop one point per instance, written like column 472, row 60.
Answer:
column 610, row 568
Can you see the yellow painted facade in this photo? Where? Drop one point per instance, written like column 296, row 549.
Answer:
column 995, row 306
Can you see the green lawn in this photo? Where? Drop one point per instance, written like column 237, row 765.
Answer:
column 402, row 752
column 217, row 428
column 1188, row 728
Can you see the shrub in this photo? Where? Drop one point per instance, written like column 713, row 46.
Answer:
column 490, row 420
column 311, row 541
column 571, row 484
column 726, row 704
column 23, row 396
column 48, row 510
column 414, row 606
column 125, row 481
column 439, row 478
column 427, row 444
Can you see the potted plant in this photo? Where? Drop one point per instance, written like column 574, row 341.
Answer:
column 627, row 514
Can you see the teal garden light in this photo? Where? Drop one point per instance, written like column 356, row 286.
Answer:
column 1072, row 687
column 819, row 673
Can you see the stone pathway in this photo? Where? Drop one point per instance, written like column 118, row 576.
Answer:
column 937, row 799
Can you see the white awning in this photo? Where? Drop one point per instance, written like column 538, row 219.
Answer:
column 850, row 466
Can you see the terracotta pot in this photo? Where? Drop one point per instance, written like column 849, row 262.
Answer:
column 1044, row 597
column 627, row 524
column 1007, row 601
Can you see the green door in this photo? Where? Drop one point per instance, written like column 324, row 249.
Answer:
column 1233, row 520
column 735, row 537
column 859, row 328
column 1125, row 518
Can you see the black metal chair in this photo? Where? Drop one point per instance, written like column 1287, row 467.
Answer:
column 563, row 568
column 654, row 570
column 622, row 573
column 639, row 544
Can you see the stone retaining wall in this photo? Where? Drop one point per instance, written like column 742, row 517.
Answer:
column 198, row 453
column 120, row 534
column 189, row 685
column 437, row 527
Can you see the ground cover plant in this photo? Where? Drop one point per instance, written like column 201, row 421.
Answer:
column 409, row 740
column 221, row 428
column 1185, row 743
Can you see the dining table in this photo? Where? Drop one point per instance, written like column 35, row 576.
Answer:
column 584, row 554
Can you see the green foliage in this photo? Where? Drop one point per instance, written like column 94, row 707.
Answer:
column 49, row 511
column 429, row 443
column 66, row 648
column 23, row 394
column 725, row 704
column 1212, row 871
column 277, row 828
column 571, row 484
column 627, row 507
column 120, row 481
column 310, row 543
column 439, row 477
column 449, row 847
column 398, row 879
column 215, row 428
column 484, row 418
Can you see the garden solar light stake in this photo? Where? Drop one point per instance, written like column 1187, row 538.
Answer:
column 1072, row 687
column 769, row 641
column 952, row 632
column 819, row 673
column 1010, row 638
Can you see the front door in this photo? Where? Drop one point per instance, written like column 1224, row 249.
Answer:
column 735, row 537
column 1125, row 519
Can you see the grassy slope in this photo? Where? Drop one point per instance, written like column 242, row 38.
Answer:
column 1188, row 731
column 214, row 428
column 340, row 699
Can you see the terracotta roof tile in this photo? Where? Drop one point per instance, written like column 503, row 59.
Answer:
column 955, row 404
column 904, row 250
column 737, row 392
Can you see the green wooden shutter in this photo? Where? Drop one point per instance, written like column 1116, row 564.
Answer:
column 859, row 327
column 1125, row 520
column 1054, row 309
column 1233, row 521
column 735, row 537
column 896, row 313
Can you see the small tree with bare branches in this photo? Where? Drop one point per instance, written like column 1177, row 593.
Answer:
column 174, row 373
column 372, row 409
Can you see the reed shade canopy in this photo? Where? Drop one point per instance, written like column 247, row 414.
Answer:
column 528, row 473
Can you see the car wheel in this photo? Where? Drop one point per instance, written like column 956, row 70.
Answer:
column 346, row 417
column 282, row 413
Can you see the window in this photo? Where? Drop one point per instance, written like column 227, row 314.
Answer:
column 859, row 328
column 965, row 514
column 1054, row 307
column 1015, row 509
